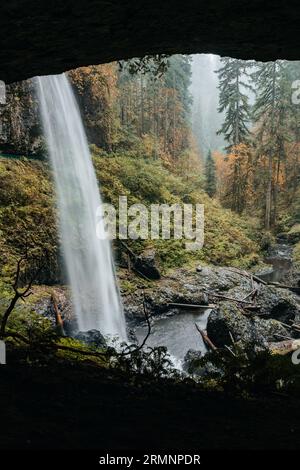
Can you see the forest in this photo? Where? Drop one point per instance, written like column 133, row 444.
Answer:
column 220, row 321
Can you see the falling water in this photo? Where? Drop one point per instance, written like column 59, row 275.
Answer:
column 88, row 259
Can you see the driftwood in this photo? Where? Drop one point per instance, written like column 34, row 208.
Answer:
column 230, row 350
column 206, row 339
column 251, row 294
column 251, row 276
column 175, row 304
column 284, row 347
column 221, row 296
column 253, row 307
column 294, row 289
column 58, row 319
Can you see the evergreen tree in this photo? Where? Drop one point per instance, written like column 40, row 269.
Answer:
column 210, row 175
column 233, row 100
column 271, row 111
column 155, row 103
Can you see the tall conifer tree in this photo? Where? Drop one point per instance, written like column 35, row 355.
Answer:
column 210, row 175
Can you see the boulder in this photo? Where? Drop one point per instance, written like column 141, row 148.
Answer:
column 146, row 263
column 92, row 338
column 46, row 308
column 218, row 278
column 280, row 304
column 228, row 318
column 293, row 236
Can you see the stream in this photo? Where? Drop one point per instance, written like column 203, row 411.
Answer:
column 280, row 259
column 178, row 332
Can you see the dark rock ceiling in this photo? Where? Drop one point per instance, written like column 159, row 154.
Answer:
column 42, row 37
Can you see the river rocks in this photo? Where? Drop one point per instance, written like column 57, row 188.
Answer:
column 277, row 303
column 92, row 338
column 228, row 318
column 133, row 307
column 161, row 300
column 273, row 302
column 219, row 278
column 192, row 287
column 293, row 236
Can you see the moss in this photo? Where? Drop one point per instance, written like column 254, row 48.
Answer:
column 296, row 253
column 229, row 238
column 294, row 230
column 28, row 219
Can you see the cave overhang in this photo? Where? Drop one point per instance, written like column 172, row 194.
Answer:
column 39, row 37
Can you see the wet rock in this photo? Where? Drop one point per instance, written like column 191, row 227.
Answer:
column 293, row 236
column 292, row 278
column 193, row 365
column 220, row 278
column 228, row 318
column 91, row 338
column 45, row 307
column 264, row 272
column 133, row 307
column 146, row 264
column 183, row 287
column 280, row 304
column 160, row 300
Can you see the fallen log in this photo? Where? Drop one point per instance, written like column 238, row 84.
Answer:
column 206, row 339
column 294, row 289
column 284, row 347
column 230, row 350
column 58, row 319
column 221, row 296
column 251, row 276
column 251, row 294
column 294, row 326
column 179, row 305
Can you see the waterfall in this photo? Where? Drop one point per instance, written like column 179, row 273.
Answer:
column 88, row 260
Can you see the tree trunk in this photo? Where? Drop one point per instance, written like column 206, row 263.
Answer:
column 269, row 195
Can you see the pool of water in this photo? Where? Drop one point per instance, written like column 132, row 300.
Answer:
column 280, row 260
column 177, row 332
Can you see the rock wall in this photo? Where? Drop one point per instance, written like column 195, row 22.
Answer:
column 96, row 91
column 19, row 124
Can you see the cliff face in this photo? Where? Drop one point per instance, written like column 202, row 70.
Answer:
column 95, row 89
column 19, row 124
